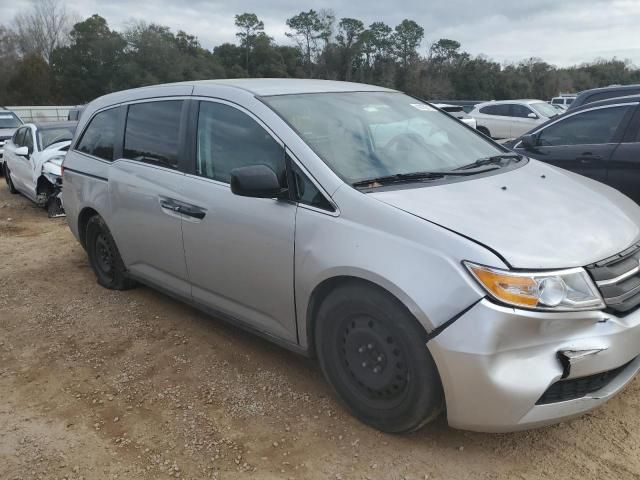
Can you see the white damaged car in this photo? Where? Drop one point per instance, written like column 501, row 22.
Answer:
column 34, row 158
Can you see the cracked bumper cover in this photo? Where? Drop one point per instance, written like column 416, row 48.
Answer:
column 495, row 363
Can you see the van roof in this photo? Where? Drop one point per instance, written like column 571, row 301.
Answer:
column 285, row 86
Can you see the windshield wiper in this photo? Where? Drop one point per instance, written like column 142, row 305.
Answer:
column 409, row 177
column 492, row 160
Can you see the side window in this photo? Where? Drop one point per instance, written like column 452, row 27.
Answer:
column 306, row 192
column 100, row 136
column 28, row 139
column 503, row 110
column 229, row 138
column 520, row 111
column 588, row 128
column 18, row 137
column 152, row 134
column 556, row 101
column 488, row 110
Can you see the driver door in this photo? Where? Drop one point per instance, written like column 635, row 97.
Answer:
column 582, row 143
column 21, row 166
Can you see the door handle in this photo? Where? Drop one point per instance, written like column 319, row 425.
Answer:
column 193, row 211
column 170, row 205
column 183, row 208
column 587, row 158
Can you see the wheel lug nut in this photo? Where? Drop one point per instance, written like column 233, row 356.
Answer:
column 380, row 358
column 361, row 349
column 364, row 364
column 376, row 370
column 370, row 346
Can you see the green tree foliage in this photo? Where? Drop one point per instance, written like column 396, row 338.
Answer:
column 250, row 28
column 93, row 60
column 91, row 65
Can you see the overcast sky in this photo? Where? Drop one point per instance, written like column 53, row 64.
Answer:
column 562, row 32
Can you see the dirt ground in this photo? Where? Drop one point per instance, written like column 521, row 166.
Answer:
column 99, row 384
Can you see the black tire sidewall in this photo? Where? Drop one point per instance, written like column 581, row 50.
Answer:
column 12, row 188
column 423, row 399
column 118, row 279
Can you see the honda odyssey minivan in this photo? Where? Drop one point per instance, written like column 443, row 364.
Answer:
column 427, row 268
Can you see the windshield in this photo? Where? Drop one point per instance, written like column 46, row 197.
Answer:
column 364, row 135
column 49, row 136
column 544, row 109
column 9, row 120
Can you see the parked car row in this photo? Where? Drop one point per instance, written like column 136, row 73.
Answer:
column 427, row 267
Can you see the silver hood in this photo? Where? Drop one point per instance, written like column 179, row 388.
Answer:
column 546, row 217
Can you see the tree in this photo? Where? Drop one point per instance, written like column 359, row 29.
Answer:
column 307, row 29
column 406, row 38
column 348, row 38
column 30, row 84
column 91, row 64
column 250, row 28
column 43, row 28
column 444, row 50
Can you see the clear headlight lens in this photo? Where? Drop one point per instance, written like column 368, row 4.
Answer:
column 570, row 289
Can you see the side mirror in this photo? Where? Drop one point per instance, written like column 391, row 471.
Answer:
column 22, row 151
column 529, row 142
column 258, row 181
column 532, row 115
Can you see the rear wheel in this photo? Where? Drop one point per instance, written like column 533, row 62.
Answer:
column 7, row 177
column 104, row 256
column 374, row 354
column 484, row 131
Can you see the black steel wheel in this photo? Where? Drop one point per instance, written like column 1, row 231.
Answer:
column 374, row 354
column 104, row 256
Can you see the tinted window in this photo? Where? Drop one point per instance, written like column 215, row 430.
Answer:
column 587, row 128
column 100, row 137
column 502, row 110
column 153, row 132
column 557, row 101
column 228, row 139
column 18, row 137
column 28, row 139
column 306, row 192
column 489, row 110
column 520, row 111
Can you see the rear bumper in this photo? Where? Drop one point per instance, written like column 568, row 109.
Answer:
column 497, row 362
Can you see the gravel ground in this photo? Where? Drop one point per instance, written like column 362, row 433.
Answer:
column 99, row 384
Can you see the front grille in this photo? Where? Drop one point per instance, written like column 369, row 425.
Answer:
column 578, row 387
column 618, row 279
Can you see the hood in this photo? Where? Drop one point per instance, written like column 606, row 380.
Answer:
column 535, row 216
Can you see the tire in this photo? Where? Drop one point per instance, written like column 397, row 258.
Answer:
column 7, row 177
column 104, row 256
column 484, row 131
column 373, row 353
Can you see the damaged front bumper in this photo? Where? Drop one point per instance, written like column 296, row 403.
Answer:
column 506, row 369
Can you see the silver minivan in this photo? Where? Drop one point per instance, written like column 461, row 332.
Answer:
column 426, row 267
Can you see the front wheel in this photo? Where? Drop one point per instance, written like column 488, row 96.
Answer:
column 374, row 354
column 104, row 256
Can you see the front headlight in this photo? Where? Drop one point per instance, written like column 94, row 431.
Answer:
column 570, row 289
